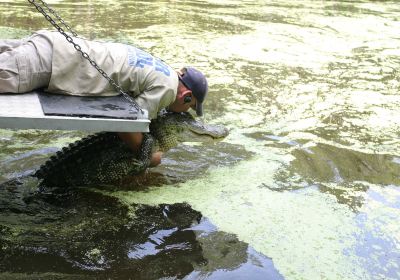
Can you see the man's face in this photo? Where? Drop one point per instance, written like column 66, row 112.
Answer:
column 180, row 106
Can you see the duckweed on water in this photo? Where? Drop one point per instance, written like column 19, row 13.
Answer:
column 310, row 92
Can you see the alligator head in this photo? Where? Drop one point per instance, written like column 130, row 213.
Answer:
column 170, row 129
column 103, row 158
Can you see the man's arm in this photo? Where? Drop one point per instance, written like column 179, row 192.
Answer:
column 134, row 141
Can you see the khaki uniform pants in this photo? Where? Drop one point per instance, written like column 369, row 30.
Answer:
column 25, row 64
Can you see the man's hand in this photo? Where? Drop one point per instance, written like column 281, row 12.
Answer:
column 155, row 159
column 134, row 141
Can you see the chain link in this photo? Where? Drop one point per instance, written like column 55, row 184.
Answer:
column 79, row 49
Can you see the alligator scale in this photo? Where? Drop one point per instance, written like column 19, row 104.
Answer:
column 103, row 158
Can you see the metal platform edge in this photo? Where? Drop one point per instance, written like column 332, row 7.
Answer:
column 70, row 123
column 24, row 111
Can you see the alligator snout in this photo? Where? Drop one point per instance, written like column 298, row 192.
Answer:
column 214, row 131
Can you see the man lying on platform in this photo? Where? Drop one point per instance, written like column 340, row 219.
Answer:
column 47, row 60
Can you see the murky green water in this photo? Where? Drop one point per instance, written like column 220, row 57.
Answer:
column 305, row 187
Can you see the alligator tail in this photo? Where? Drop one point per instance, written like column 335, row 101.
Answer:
column 71, row 166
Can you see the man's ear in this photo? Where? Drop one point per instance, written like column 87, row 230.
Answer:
column 186, row 96
column 187, row 99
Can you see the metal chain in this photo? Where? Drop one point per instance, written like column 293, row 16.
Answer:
column 84, row 54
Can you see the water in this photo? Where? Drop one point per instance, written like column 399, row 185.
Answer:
column 306, row 184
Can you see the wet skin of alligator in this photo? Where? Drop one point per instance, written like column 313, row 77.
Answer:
column 103, row 158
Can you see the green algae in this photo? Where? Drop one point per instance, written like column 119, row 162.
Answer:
column 294, row 229
column 316, row 85
column 13, row 33
column 306, row 232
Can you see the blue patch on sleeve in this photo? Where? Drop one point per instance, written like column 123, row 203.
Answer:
column 132, row 59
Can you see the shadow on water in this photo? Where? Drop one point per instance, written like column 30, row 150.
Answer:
column 79, row 233
column 336, row 170
column 345, row 173
column 326, row 163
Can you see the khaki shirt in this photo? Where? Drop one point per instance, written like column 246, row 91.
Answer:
column 152, row 82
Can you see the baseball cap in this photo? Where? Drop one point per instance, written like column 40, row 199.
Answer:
column 194, row 80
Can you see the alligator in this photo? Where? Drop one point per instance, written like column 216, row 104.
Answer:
column 103, row 158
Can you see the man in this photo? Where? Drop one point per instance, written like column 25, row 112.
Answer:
column 47, row 60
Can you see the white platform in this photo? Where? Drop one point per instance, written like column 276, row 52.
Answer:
column 24, row 111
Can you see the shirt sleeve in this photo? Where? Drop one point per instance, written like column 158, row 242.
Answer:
column 155, row 99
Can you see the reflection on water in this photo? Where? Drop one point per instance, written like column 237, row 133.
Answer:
column 309, row 89
column 80, row 233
